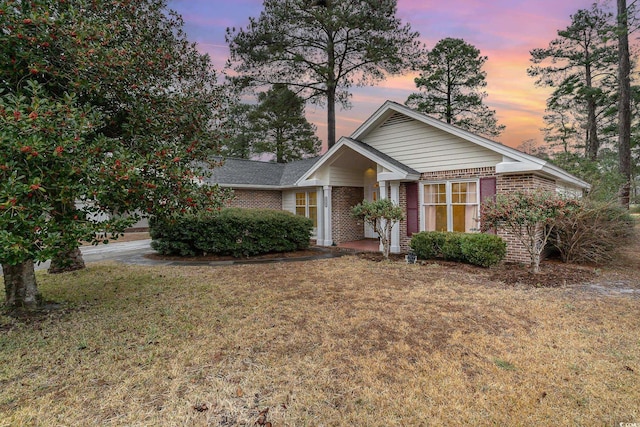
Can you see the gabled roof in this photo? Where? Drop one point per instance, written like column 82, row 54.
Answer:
column 241, row 173
column 513, row 160
column 398, row 169
column 258, row 174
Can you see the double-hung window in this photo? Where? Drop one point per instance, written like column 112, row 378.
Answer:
column 307, row 205
column 451, row 206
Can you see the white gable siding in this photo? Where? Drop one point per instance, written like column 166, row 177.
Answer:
column 427, row 149
column 345, row 177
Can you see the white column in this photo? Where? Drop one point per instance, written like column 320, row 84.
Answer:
column 320, row 226
column 395, row 231
column 383, row 195
column 328, row 240
column 383, row 189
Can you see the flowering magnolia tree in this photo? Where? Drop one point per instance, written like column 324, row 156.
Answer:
column 104, row 102
column 528, row 216
column 381, row 215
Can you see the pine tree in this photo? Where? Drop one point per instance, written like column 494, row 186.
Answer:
column 451, row 84
column 321, row 49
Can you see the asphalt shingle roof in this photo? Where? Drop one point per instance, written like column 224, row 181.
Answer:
column 254, row 172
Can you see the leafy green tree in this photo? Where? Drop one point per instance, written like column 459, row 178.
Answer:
column 321, row 49
column 238, row 141
column 451, row 84
column 580, row 66
column 103, row 102
column 278, row 126
column 381, row 215
column 527, row 216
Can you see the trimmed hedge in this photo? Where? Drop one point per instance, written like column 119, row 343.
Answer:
column 232, row 231
column 484, row 250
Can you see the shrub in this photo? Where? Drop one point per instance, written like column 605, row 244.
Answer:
column 452, row 247
column 233, row 231
column 529, row 217
column 484, row 250
column 473, row 248
column 593, row 233
column 428, row 244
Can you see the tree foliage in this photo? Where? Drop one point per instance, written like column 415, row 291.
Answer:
column 451, row 85
column 322, row 49
column 528, row 216
column 105, row 102
column 278, row 126
column 579, row 66
column 381, row 215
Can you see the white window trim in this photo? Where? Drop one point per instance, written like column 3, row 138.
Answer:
column 307, row 205
column 449, row 204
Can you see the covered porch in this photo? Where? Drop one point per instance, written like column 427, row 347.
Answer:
column 348, row 174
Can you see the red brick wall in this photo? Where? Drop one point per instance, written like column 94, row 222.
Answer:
column 254, row 199
column 458, row 174
column 516, row 251
column 345, row 228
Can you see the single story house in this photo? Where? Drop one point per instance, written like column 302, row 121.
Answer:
column 437, row 172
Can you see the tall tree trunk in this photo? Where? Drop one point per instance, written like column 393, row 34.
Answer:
column 20, row 286
column 70, row 260
column 592, row 143
column 624, row 110
column 331, row 93
column 331, row 118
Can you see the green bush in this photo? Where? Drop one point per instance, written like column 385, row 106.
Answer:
column 428, row 244
column 473, row 248
column 452, row 247
column 233, row 231
column 484, row 250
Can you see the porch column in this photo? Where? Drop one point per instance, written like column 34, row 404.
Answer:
column 320, row 219
column 383, row 189
column 395, row 231
column 383, row 195
column 328, row 240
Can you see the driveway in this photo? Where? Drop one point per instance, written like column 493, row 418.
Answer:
column 123, row 251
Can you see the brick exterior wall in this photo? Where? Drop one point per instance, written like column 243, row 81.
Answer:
column 256, row 199
column 516, row 251
column 345, row 228
column 459, row 174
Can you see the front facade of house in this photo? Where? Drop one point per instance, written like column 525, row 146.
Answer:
column 438, row 173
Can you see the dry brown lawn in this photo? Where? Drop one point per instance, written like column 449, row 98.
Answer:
column 338, row 342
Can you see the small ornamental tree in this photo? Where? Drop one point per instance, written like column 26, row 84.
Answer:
column 528, row 216
column 381, row 215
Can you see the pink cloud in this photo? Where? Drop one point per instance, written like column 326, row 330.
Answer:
column 504, row 30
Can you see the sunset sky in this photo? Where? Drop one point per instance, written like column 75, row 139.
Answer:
column 503, row 30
